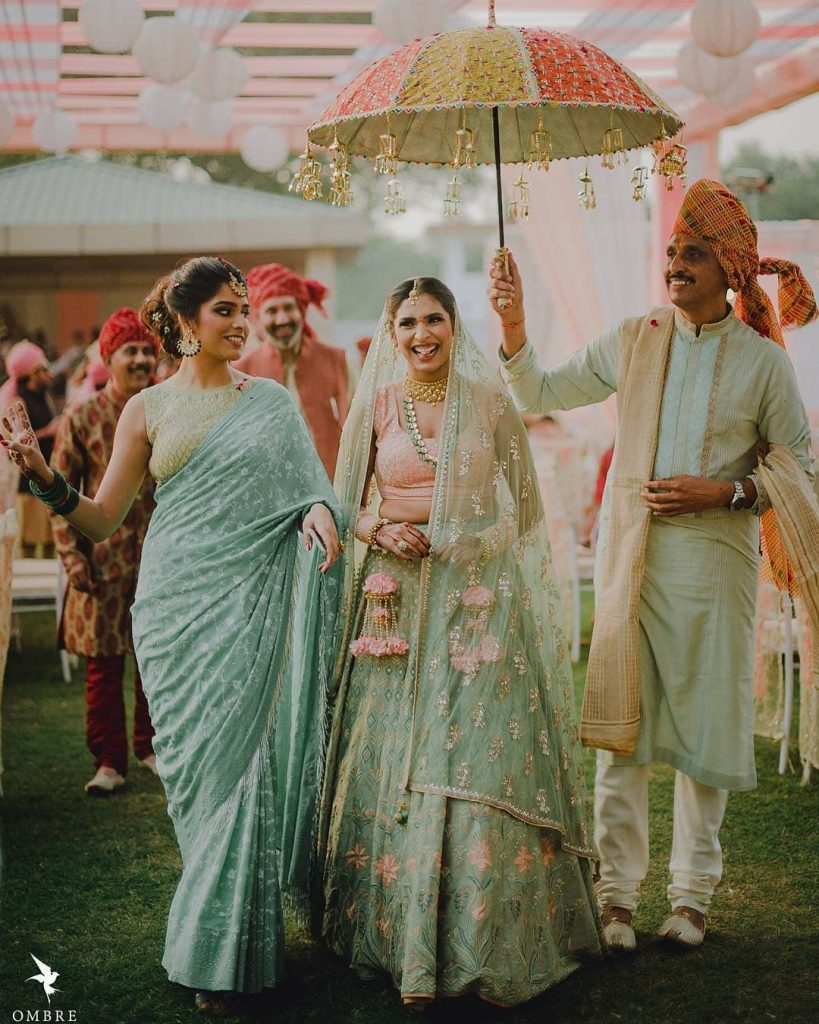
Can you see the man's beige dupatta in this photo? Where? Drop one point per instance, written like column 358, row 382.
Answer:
column 611, row 704
column 797, row 515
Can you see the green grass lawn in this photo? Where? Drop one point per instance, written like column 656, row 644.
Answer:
column 86, row 886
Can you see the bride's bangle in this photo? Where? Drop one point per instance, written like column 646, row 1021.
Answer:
column 373, row 532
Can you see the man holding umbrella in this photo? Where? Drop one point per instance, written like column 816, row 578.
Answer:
column 671, row 662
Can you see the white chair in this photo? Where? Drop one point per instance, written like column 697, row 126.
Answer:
column 37, row 586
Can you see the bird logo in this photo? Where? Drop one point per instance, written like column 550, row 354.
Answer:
column 46, row 978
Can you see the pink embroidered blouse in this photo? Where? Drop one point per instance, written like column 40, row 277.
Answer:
column 399, row 470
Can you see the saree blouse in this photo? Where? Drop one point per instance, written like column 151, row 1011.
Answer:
column 399, row 470
column 177, row 421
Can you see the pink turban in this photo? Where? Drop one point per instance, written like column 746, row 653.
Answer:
column 22, row 360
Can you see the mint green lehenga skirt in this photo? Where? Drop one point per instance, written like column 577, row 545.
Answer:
column 444, row 896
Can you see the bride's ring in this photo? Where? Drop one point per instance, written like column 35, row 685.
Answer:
column 402, row 546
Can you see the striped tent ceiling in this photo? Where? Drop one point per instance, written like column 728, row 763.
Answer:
column 298, row 53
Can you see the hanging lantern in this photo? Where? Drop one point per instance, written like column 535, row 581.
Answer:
column 453, row 197
column 402, row 22
column 264, row 148
column 464, row 147
column 162, row 107
column 702, row 73
column 6, row 124
column 586, row 196
column 167, row 50
column 54, row 130
column 210, row 120
column 738, row 90
column 219, row 74
column 394, row 201
column 111, row 26
column 341, row 193
column 518, row 208
column 386, row 161
column 724, row 28
column 639, row 184
column 614, row 151
column 540, row 147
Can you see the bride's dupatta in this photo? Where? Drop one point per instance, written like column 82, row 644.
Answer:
column 493, row 718
column 233, row 632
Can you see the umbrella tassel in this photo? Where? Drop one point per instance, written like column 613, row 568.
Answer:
column 453, row 197
column 306, row 181
column 586, row 196
column 341, row 193
column 518, row 208
column 394, row 201
column 540, row 147
column 639, row 181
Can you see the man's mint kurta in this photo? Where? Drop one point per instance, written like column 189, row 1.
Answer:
column 725, row 388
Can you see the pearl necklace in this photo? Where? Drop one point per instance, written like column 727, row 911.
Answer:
column 414, row 432
column 432, row 391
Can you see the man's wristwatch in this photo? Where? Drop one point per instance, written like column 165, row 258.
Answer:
column 739, row 500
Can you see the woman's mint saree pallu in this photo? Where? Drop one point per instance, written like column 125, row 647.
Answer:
column 233, row 629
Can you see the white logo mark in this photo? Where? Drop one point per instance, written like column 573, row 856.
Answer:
column 46, row 977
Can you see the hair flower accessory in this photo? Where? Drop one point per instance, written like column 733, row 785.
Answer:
column 379, row 635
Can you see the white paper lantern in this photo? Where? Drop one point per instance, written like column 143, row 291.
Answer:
column 111, row 26
column 702, row 73
column 264, row 148
column 210, row 120
column 219, row 75
column 402, row 22
column 162, row 107
column 737, row 90
column 54, row 130
column 6, row 124
column 167, row 50
column 724, row 28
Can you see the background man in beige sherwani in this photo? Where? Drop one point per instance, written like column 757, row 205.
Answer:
column 698, row 384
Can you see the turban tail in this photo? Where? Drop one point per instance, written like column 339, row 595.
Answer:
column 713, row 213
column 272, row 280
column 122, row 327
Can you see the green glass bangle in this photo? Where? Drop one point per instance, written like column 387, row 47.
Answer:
column 56, row 493
column 69, row 504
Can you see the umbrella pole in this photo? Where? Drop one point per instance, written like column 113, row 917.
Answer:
column 503, row 252
column 496, row 134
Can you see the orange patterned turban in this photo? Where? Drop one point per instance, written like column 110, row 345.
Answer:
column 714, row 214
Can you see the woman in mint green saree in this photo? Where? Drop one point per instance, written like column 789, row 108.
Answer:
column 232, row 626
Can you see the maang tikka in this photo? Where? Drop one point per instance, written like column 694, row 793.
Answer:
column 415, row 291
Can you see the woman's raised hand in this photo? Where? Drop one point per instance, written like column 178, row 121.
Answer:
column 506, row 289
column 403, row 540
column 320, row 520
column 18, row 438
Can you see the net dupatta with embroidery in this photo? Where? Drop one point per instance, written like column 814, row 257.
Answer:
column 493, row 715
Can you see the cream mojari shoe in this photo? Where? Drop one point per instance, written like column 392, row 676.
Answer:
column 617, row 930
column 685, row 926
column 104, row 782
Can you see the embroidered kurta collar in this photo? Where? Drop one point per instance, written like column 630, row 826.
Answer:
column 687, row 329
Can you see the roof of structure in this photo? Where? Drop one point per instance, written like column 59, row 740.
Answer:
column 88, row 203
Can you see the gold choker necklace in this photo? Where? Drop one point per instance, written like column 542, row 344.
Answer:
column 433, row 391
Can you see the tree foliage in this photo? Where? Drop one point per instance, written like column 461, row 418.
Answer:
column 794, row 190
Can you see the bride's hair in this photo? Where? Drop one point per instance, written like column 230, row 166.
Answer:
column 182, row 293
column 424, row 286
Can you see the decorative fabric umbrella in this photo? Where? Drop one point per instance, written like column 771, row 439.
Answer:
column 492, row 94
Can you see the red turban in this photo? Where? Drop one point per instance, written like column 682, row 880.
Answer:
column 272, row 279
column 122, row 327
column 714, row 214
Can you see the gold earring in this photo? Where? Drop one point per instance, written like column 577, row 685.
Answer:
column 189, row 344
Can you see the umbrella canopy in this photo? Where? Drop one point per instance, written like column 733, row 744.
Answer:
column 428, row 90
